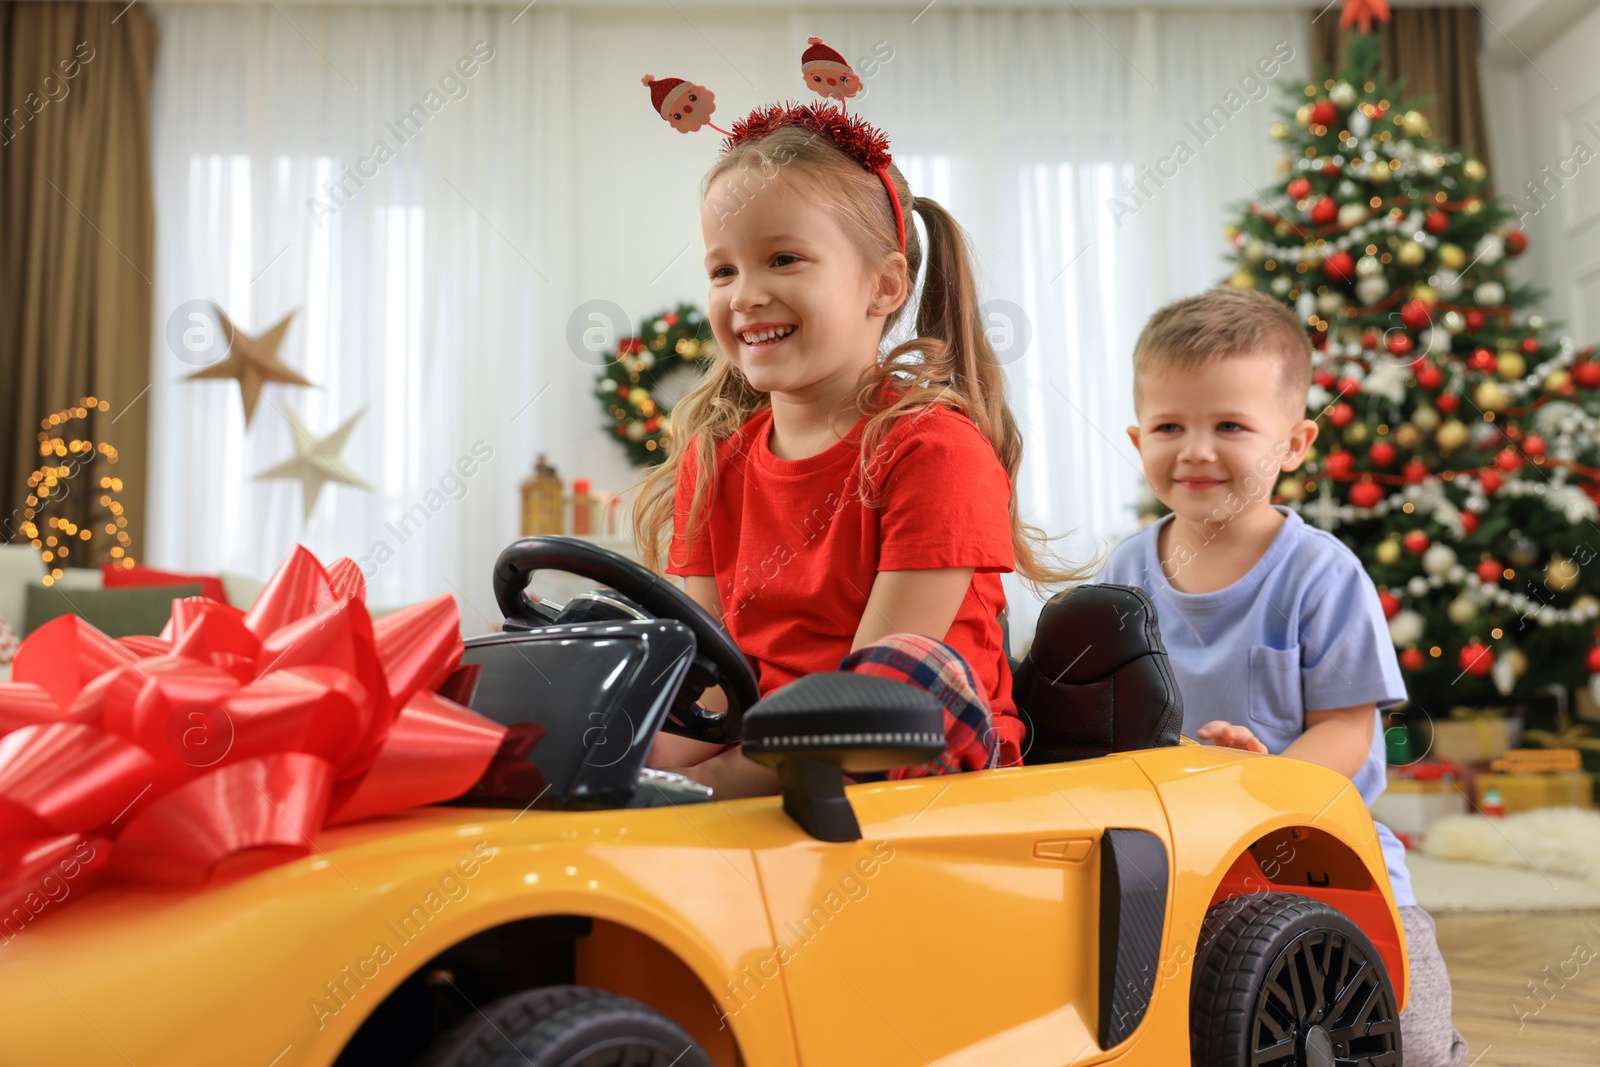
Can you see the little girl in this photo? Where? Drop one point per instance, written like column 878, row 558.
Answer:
column 838, row 508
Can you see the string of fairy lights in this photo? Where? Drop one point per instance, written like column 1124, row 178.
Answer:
column 65, row 457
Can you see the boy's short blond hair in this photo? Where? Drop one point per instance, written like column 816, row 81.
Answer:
column 1223, row 323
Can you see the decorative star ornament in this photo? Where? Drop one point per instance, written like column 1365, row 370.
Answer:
column 252, row 362
column 316, row 461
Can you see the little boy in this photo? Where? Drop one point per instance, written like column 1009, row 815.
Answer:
column 1274, row 630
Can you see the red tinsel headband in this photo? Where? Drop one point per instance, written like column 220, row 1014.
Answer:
column 687, row 107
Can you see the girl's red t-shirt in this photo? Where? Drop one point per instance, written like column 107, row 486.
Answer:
column 794, row 551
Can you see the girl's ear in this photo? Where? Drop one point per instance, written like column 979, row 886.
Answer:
column 892, row 288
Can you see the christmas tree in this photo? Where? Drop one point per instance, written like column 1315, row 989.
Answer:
column 1457, row 445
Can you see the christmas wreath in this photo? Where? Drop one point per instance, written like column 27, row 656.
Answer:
column 648, row 374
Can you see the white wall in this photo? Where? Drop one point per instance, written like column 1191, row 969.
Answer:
column 1542, row 94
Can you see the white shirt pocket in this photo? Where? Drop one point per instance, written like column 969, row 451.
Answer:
column 1275, row 704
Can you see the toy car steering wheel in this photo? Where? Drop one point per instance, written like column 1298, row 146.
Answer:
column 717, row 661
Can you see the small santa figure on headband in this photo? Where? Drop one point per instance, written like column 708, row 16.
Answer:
column 685, row 106
column 827, row 73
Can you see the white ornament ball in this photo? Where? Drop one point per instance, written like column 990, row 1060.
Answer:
column 1490, row 294
column 1330, row 303
column 1491, row 249
column 1372, row 290
column 1256, row 250
column 1343, row 94
column 1406, row 628
column 1361, row 125
column 1281, row 285
column 1453, row 322
column 1462, row 611
column 1447, row 283
column 1439, row 558
column 1305, row 305
column 1352, row 213
column 1368, row 267
column 1418, row 587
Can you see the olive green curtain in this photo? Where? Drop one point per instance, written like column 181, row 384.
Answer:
column 77, row 243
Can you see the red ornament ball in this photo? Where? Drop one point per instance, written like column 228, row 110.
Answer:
column 1382, row 453
column 1324, row 211
column 1530, row 345
column 1330, row 168
column 621, row 430
column 622, row 391
column 1437, row 222
column 1340, row 266
column 1476, row 658
column 1324, row 113
column 1508, row 459
column 1534, row 445
column 1469, row 522
column 1366, row 494
column 1484, row 360
column 1300, row 188
column 1342, row 415
column 1447, row 402
column 1324, row 379
column 1339, row 463
column 1490, row 571
column 1516, row 243
column 1429, row 377
column 1416, row 541
column 1587, row 374
column 1348, row 387
column 1391, row 606
column 1474, row 319
column 1412, row 659
column 651, row 425
column 1400, row 343
column 1415, row 314
column 1415, row 472
column 1592, row 660
column 1490, row 481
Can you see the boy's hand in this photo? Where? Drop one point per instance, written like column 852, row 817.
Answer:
column 1226, row 735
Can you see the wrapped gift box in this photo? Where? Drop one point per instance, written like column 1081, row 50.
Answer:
column 1526, row 792
column 1416, row 795
column 1475, row 739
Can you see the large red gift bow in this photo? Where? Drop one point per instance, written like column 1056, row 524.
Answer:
column 231, row 739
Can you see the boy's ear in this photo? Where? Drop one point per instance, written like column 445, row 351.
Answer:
column 1301, row 435
column 893, row 286
column 1133, row 435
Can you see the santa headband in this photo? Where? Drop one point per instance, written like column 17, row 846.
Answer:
column 687, row 107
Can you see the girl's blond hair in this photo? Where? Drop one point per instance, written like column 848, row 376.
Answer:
column 949, row 362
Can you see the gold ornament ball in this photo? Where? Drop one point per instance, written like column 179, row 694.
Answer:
column 1556, row 379
column 1231, row 230
column 1512, row 365
column 1311, row 257
column 1452, row 435
column 1280, row 131
column 1490, row 396
column 1426, row 418
column 1388, row 551
column 1425, row 293
column 1473, row 207
column 1283, row 167
column 1452, row 257
column 1517, row 660
column 1356, row 433
column 1560, row 574
column 1291, row 488
column 1586, row 604
column 1474, row 170
column 1302, row 115
column 638, row 395
column 1412, row 254
column 1243, row 280
column 1407, row 435
column 636, row 431
column 1282, row 228
column 1462, row 611
column 1415, row 124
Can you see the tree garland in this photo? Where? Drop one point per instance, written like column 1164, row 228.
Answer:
column 667, row 344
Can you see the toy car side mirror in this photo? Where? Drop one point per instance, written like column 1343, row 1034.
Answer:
column 819, row 727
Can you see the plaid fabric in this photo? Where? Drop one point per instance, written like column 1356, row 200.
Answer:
column 970, row 741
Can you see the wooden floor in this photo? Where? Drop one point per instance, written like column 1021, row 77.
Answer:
column 1492, row 958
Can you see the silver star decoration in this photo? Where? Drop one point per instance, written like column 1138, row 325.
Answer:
column 316, row 461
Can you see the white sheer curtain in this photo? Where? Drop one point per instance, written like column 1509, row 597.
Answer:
column 437, row 296
column 1025, row 124
column 420, row 279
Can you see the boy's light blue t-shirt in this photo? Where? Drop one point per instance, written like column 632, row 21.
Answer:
column 1307, row 622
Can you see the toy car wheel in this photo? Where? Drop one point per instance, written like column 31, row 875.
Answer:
column 1281, row 979
column 566, row 1026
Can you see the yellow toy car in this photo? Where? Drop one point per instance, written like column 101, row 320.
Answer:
column 1124, row 897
